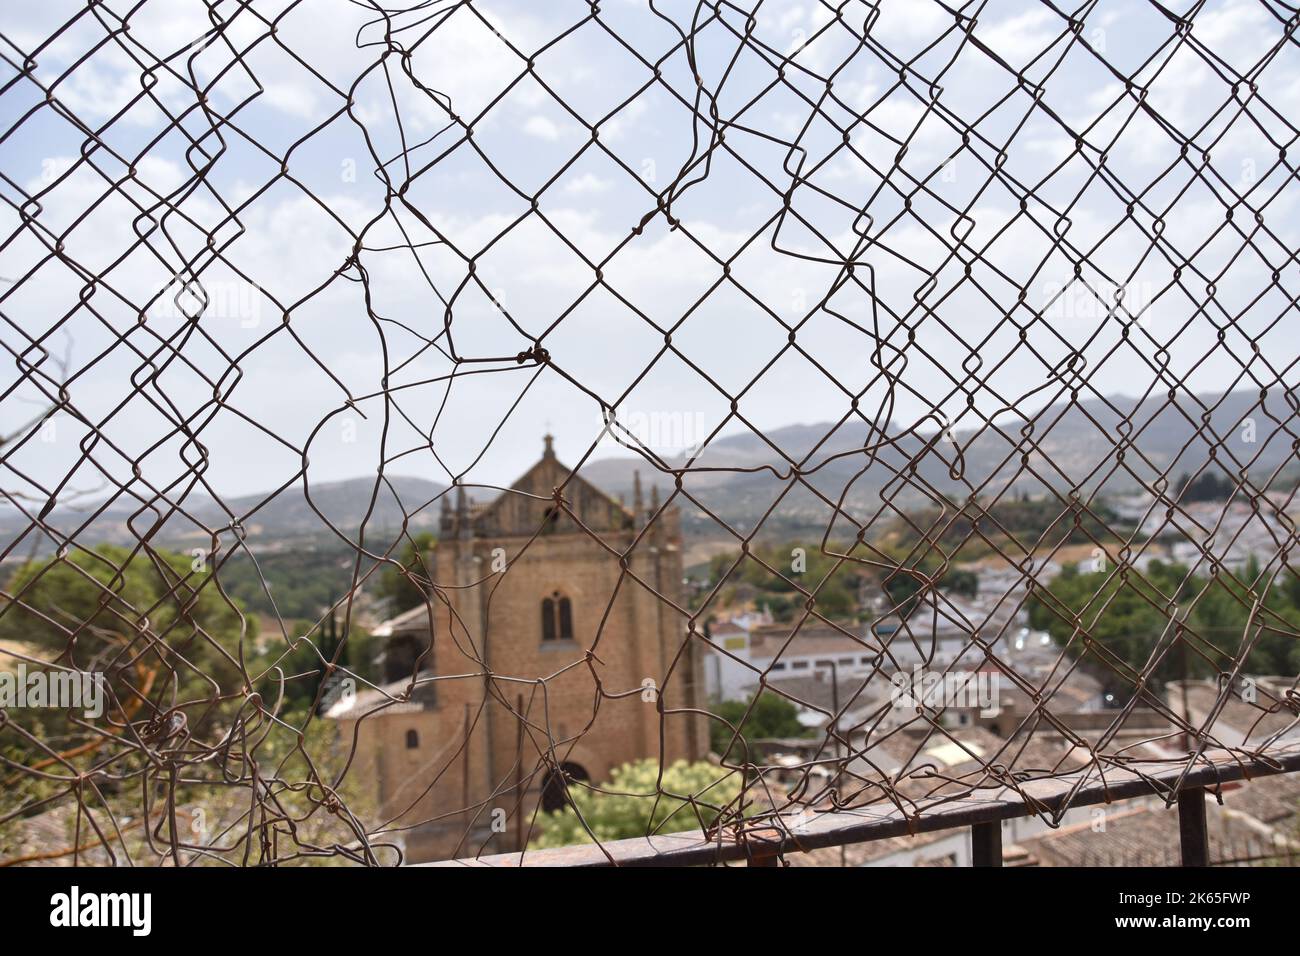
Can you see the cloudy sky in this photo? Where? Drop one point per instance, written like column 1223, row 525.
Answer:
column 833, row 231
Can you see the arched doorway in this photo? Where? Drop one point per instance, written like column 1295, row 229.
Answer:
column 553, row 790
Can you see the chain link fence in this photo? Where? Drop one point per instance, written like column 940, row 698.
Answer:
column 917, row 383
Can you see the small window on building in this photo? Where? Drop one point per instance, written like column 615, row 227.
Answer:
column 557, row 618
column 412, row 740
column 566, row 620
column 799, row 666
column 548, row 620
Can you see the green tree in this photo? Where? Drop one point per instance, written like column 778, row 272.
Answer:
column 87, row 608
column 1125, row 616
column 773, row 716
column 155, row 625
column 796, row 567
column 1207, row 486
column 406, row 586
column 299, row 582
column 963, row 582
column 633, row 802
column 314, row 646
column 213, row 802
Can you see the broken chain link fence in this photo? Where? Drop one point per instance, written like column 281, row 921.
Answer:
column 1033, row 265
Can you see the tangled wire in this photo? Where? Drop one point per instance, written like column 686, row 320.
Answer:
column 1030, row 266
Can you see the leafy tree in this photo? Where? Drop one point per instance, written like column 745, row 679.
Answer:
column 1125, row 615
column 299, row 582
column 807, row 566
column 903, row 586
column 154, row 625
column 87, row 608
column 212, row 808
column 305, row 667
column 403, row 586
column 773, row 716
column 1207, row 486
column 963, row 582
column 633, row 802
column 903, row 590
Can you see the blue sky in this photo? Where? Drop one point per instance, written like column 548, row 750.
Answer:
column 361, row 372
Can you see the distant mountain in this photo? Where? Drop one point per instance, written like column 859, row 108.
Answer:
column 739, row 477
column 284, row 520
column 1119, row 442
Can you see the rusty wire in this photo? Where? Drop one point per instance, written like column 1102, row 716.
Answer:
column 191, row 714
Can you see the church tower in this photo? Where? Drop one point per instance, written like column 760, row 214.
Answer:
column 558, row 647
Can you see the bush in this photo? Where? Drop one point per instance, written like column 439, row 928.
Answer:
column 638, row 804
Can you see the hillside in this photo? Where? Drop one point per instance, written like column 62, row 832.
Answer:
column 285, row 520
column 1069, row 445
column 738, row 477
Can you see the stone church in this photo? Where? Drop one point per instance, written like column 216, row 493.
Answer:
column 553, row 647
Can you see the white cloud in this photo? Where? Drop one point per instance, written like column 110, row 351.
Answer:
column 292, row 247
column 542, row 128
column 587, row 183
column 1018, row 39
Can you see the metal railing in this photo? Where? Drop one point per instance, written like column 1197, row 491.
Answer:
column 983, row 815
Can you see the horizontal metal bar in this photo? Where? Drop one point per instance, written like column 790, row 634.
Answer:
column 1079, row 788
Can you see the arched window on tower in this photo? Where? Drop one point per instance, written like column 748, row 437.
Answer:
column 557, row 618
column 412, row 740
column 555, row 792
column 566, row 620
column 548, row 620
column 550, row 520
